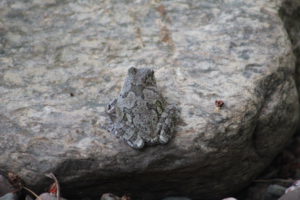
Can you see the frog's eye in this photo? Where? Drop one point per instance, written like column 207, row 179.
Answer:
column 132, row 70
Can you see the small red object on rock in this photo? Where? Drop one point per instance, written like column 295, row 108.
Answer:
column 53, row 189
column 219, row 103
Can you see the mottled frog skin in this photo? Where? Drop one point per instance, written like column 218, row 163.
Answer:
column 140, row 115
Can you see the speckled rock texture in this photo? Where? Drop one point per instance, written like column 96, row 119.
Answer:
column 62, row 61
column 290, row 14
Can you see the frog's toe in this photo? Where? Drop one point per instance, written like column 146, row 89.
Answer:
column 163, row 137
column 137, row 143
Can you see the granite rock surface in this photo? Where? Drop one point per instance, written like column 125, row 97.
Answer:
column 62, row 61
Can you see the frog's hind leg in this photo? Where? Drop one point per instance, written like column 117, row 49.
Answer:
column 128, row 134
column 136, row 142
column 133, row 139
column 166, row 124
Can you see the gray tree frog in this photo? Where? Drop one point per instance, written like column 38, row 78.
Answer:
column 140, row 115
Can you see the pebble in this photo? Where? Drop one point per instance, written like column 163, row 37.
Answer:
column 274, row 192
column 9, row 196
column 176, row 198
column 48, row 196
column 292, row 195
column 295, row 186
column 109, row 196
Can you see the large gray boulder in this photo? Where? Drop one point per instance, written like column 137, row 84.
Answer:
column 61, row 62
column 290, row 14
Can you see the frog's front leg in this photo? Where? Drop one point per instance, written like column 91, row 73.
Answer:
column 166, row 124
column 111, row 109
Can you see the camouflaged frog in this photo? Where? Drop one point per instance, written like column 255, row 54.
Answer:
column 140, row 114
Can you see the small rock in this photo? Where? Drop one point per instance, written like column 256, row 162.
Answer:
column 274, row 192
column 48, row 196
column 125, row 197
column 9, row 196
column 28, row 197
column 109, row 196
column 176, row 198
column 295, row 186
column 292, row 195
